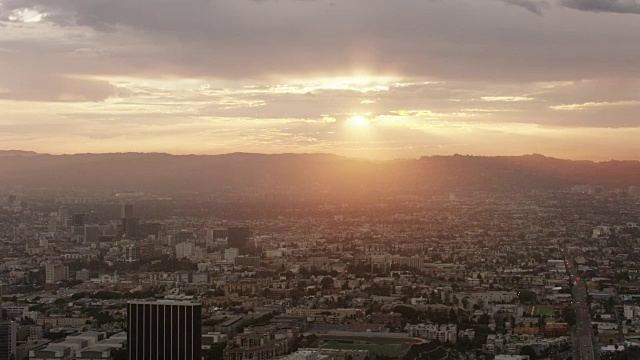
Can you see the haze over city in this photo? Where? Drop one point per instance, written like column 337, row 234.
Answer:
column 320, row 179
column 362, row 78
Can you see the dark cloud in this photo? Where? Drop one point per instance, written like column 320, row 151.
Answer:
column 247, row 39
column 613, row 6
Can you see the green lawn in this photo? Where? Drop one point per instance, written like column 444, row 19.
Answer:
column 389, row 350
column 546, row 311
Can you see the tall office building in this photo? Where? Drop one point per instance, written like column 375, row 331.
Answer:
column 78, row 220
column 126, row 211
column 8, row 335
column 130, row 228
column 129, row 223
column 91, row 233
column 231, row 254
column 217, row 233
column 52, row 226
column 208, row 234
column 238, row 237
column 164, row 330
column 185, row 249
column 149, row 229
column 131, row 253
column 63, row 215
column 56, row 272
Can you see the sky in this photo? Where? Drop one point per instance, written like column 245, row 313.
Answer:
column 376, row 79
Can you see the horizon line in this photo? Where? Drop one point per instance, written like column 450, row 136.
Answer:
column 35, row 153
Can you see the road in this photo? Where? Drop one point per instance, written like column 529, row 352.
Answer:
column 583, row 338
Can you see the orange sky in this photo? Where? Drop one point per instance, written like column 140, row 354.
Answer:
column 365, row 78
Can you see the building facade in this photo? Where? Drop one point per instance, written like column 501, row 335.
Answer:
column 56, row 272
column 8, row 333
column 164, row 330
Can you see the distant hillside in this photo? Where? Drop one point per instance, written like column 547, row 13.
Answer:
column 17, row 153
column 320, row 173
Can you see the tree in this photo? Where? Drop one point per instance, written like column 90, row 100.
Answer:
column 527, row 297
column 569, row 316
column 326, row 282
column 542, row 321
column 120, row 354
column 453, row 316
column 481, row 303
column 465, row 303
column 216, row 351
column 407, row 312
column 528, row 350
column 27, row 321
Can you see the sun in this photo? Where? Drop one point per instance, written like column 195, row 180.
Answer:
column 359, row 121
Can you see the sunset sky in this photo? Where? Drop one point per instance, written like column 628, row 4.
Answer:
column 365, row 78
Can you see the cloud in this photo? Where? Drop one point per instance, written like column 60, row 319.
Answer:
column 462, row 39
column 182, row 75
column 613, row 6
column 18, row 86
column 591, row 105
column 534, row 6
column 506, row 98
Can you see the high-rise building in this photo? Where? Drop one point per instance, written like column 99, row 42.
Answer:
column 129, row 223
column 231, row 254
column 130, row 228
column 78, row 220
column 63, row 214
column 238, row 237
column 77, row 232
column 185, row 249
column 131, row 253
column 208, row 234
column 216, row 233
column 164, row 329
column 8, row 335
column 56, row 272
column 91, row 233
column 52, row 226
column 11, row 200
column 149, row 229
column 126, row 211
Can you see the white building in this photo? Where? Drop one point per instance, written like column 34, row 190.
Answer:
column 306, row 354
column 490, row 296
column 231, row 254
column 211, row 338
column 185, row 250
column 442, row 333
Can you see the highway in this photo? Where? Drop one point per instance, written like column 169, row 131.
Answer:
column 583, row 338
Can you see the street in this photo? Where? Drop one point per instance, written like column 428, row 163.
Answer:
column 583, row 338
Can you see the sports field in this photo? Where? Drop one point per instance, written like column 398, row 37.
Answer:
column 390, row 350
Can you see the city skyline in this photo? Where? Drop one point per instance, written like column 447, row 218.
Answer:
column 368, row 79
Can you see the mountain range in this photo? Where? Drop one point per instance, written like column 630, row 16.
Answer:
column 246, row 172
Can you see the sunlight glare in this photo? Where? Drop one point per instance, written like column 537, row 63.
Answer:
column 359, row 121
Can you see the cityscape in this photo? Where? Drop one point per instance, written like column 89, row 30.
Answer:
column 319, row 180
column 422, row 274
